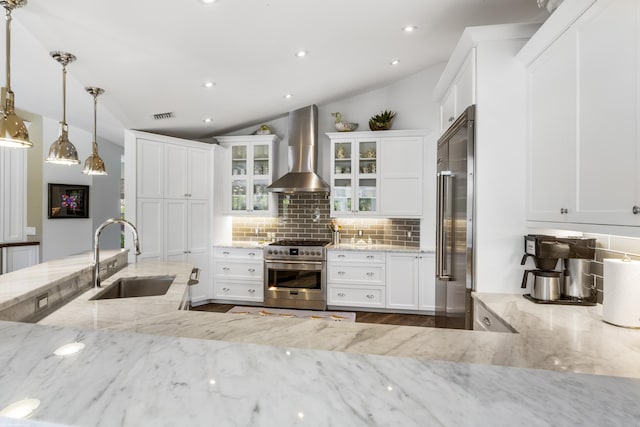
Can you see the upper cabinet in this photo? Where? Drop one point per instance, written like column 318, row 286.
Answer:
column 13, row 190
column 172, row 171
column 377, row 173
column 250, row 168
column 584, row 127
column 461, row 93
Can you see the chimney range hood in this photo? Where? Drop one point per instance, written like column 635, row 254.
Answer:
column 303, row 152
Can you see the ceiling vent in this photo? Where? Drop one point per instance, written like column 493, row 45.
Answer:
column 162, row 116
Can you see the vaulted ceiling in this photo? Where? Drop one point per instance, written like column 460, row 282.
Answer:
column 154, row 56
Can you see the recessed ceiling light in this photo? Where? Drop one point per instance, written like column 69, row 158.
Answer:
column 209, row 84
column 409, row 28
column 207, row 1
column 395, row 62
column 288, row 96
column 301, row 53
column 207, row 120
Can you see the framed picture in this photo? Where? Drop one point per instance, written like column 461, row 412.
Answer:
column 68, row 201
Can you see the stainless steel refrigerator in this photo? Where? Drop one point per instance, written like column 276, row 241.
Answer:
column 454, row 232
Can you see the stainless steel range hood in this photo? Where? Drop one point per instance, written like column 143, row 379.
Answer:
column 303, row 152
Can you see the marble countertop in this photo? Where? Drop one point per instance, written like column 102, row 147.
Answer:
column 20, row 285
column 81, row 312
column 146, row 363
column 129, row 379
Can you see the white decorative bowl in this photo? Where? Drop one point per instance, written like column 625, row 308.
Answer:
column 346, row 126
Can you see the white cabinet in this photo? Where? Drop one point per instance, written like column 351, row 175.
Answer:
column 168, row 197
column 250, row 170
column 356, row 279
column 354, row 174
column 13, row 189
column 461, row 92
column 238, row 275
column 401, row 176
column 18, row 257
column 584, row 127
column 377, row 175
column 410, row 281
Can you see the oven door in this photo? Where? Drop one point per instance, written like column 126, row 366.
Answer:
column 295, row 284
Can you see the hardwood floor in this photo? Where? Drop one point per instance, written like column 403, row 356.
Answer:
column 361, row 316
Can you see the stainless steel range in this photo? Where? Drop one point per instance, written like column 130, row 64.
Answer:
column 295, row 274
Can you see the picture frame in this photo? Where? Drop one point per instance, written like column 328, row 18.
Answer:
column 68, row 201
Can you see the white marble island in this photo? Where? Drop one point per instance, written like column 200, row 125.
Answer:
column 145, row 363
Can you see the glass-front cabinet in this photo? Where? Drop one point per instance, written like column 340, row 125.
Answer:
column 354, row 176
column 250, row 171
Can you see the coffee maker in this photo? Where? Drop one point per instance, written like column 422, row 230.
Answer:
column 563, row 269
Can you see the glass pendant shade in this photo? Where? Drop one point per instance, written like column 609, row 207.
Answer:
column 13, row 131
column 94, row 165
column 62, row 151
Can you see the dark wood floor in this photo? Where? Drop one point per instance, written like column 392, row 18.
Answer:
column 361, row 316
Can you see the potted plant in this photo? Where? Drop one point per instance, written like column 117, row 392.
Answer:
column 382, row 121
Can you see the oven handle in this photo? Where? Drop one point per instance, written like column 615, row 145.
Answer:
column 295, row 265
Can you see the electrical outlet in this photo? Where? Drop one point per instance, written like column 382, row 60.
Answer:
column 42, row 301
column 30, row 231
column 408, row 234
column 359, row 233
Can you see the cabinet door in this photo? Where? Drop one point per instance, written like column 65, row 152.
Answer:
column 428, row 282
column 448, row 109
column 18, row 257
column 175, row 230
column 199, row 173
column 552, row 143
column 402, row 281
column 367, row 174
column 12, row 191
column 150, row 225
column 401, row 177
column 608, row 91
column 342, row 176
column 176, row 172
column 150, row 162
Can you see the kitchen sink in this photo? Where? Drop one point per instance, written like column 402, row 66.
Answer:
column 130, row 287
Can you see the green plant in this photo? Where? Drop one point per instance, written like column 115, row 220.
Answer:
column 382, row 121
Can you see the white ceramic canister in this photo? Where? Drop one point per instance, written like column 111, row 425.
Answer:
column 621, row 297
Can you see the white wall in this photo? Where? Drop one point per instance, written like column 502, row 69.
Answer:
column 63, row 237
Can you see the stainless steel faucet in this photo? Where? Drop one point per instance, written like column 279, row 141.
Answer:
column 96, row 250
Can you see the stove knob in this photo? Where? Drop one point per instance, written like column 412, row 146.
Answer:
column 269, row 252
column 306, row 253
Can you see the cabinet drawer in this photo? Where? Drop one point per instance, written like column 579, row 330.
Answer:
column 243, row 253
column 240, row 270
column 356, row 256
column 364, row 274
column 484, row 320
column 356, row 296
column 238, row 291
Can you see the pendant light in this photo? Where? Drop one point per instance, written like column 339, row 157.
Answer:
column 62, row 151
column 13, row 131
column 94, row 164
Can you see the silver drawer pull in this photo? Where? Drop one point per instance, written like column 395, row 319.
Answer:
column 251, row 270
column 369, row 256
column 370, row 296
column 341, row 294
column 225, row 268
column 226, row 289
column 225, row 253
column 252, row 291
column 486, row 321
column 251, row 254
column 341, row 272
column 371, row 274
column 341, row 256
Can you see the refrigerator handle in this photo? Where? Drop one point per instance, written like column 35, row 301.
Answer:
column 442, row 240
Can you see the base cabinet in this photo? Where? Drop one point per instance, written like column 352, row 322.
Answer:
column 238, row 275
column 411, row 281
column 18, row 257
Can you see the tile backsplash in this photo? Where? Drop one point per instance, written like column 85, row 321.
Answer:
column 307, row 216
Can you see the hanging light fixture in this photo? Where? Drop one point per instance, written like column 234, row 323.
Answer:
column 94, row 164
column 13, row 131
column 62, row 151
